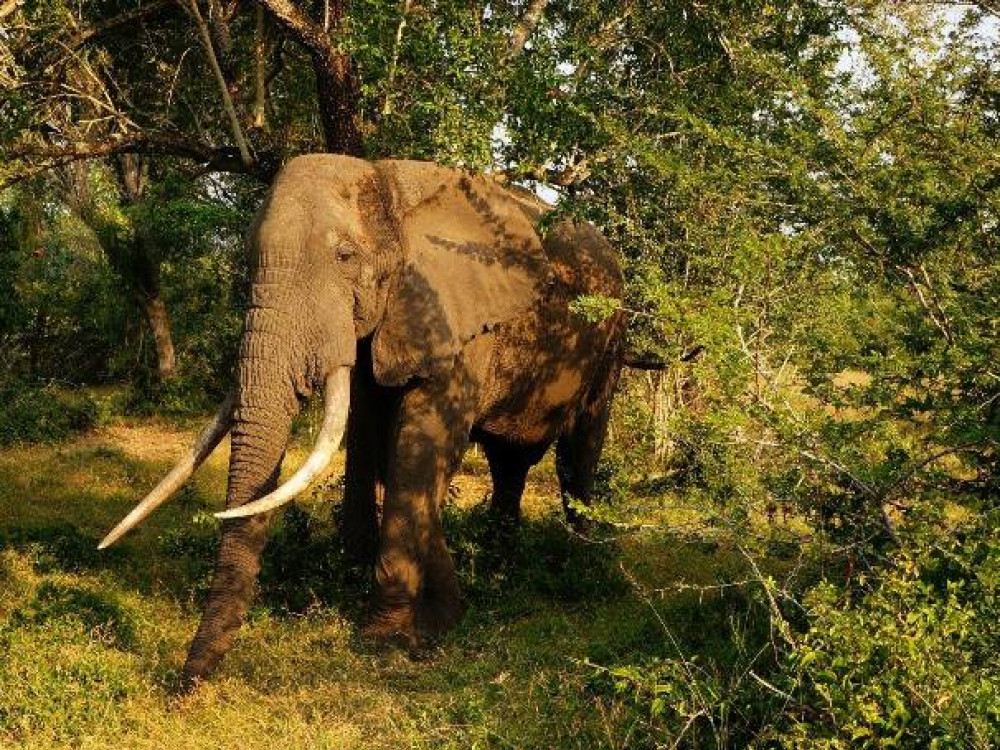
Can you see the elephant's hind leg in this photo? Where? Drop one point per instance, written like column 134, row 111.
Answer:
column 372, row 410
column 509, row 466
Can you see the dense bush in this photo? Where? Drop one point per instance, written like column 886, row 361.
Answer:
column 31, row 414
column 63, row 315
column 907, row 658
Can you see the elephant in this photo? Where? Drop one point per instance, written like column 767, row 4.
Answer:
column 428, row 308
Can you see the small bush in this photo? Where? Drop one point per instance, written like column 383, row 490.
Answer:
column 99, row 614
column 912, row 663
column 57, row 547
column 542, row 558
column 182, row 395
column 29, row 415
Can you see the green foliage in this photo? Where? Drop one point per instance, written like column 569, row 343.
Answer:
column 698, row 691
column 62, row 316
column 60, row 684
column 907, row 661
column 44, row 414
column 594, row 308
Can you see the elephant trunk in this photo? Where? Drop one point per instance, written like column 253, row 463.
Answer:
column 265, row 406
column 337, row 395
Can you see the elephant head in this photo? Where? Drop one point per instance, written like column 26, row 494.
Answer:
column 415, row 257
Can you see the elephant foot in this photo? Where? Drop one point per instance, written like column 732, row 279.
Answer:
column 394, row 627
column 408, row 626
column 187, row 684
column 436, row 616
column 196, row 670
column 589, row 529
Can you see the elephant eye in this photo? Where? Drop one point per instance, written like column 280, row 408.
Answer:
column 345, row 251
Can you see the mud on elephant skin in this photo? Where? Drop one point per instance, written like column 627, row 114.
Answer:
column 424, row 301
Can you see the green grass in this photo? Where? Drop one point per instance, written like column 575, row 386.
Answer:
column 91, row 643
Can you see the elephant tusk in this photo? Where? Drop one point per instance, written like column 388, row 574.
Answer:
column 209, row 438
column 337, row 399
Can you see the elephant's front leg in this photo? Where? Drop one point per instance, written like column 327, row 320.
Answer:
column 417, row 587
column 368, row 429
column 243, row 540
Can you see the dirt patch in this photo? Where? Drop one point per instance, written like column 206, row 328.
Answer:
column 146, row 442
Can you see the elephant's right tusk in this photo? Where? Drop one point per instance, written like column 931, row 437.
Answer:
column 337, row 392
column 209, row 438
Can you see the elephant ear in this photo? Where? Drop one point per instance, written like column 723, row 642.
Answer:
column 471, row 260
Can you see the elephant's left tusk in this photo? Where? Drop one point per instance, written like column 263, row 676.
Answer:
column 209, row 438
column 337, row 400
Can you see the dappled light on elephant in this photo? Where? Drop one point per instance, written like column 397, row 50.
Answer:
column 434, row 300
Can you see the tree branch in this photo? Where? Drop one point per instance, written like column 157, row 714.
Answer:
column 259, row 118
column 336, row 87
column 941, row 322
column 86, row 34
column 529, row 20
column 394, row 61
column 306, row 32
column 647, row 361
column 9, row 6
column 989, row 6
column 215, row 158
column 227, row 101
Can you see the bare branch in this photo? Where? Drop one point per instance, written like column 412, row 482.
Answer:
column 259, row 119
column 940, row 320
column 48, row 156
column 529, row 20
column 942, row 315
column 227, row 101
column 394, row 62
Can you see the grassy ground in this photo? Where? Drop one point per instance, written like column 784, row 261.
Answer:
column 91, row 643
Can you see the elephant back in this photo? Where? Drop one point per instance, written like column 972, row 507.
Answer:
column 580, row 259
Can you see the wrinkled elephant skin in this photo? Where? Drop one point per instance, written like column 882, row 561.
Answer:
column 451, row 310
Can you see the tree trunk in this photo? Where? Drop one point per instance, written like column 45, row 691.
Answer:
column 136, row 261
column 138, row 267
column 336, row 89
column 159, row 323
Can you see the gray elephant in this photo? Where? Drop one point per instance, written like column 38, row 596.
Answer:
column 424, row 301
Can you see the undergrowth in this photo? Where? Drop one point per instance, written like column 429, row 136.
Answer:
column 690, row 631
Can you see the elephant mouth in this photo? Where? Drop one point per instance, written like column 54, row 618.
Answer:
column 336, row 391
column 336, row 397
